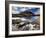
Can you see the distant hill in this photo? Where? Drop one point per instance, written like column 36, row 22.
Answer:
column 25, row 13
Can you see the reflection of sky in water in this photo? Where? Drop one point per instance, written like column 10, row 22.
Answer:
column 17, row 10
column 34, row 18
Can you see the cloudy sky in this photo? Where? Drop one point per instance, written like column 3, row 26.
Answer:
column 17, row 10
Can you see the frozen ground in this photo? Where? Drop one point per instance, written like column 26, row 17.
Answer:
column 25, row 24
